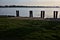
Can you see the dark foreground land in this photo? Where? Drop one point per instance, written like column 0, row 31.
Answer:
column 20, row 29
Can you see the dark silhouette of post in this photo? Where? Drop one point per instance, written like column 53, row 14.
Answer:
column 17, row 13
column 42, row 14
column 55, row 14
column 31, row 14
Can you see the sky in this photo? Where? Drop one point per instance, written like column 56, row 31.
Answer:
column 31, row 2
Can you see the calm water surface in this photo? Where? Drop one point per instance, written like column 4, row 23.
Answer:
column 24, row 12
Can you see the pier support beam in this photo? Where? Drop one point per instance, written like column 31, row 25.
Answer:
column 30, row 13
column 42, row 14
column 55, row 14
column 17, row 13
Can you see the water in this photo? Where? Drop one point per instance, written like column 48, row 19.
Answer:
column 24, row 12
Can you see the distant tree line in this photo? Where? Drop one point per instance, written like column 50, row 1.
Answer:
column 30, row 6
column 12, row 6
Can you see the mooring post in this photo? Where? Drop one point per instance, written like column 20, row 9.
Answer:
column 55, row 14
column 31, row 14
column 42, row 14
column 17, row 13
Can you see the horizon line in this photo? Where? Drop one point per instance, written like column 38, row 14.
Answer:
column 22, row 6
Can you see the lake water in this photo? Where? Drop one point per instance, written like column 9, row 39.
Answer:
column 24, row 12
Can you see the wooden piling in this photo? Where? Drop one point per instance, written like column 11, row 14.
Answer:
column 31, row 14
column 42, row 14
column 55, row 14
column 17, row 13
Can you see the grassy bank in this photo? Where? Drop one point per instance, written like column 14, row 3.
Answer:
column 15, row 29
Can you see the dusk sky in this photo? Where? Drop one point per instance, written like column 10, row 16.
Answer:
column 31, row 2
